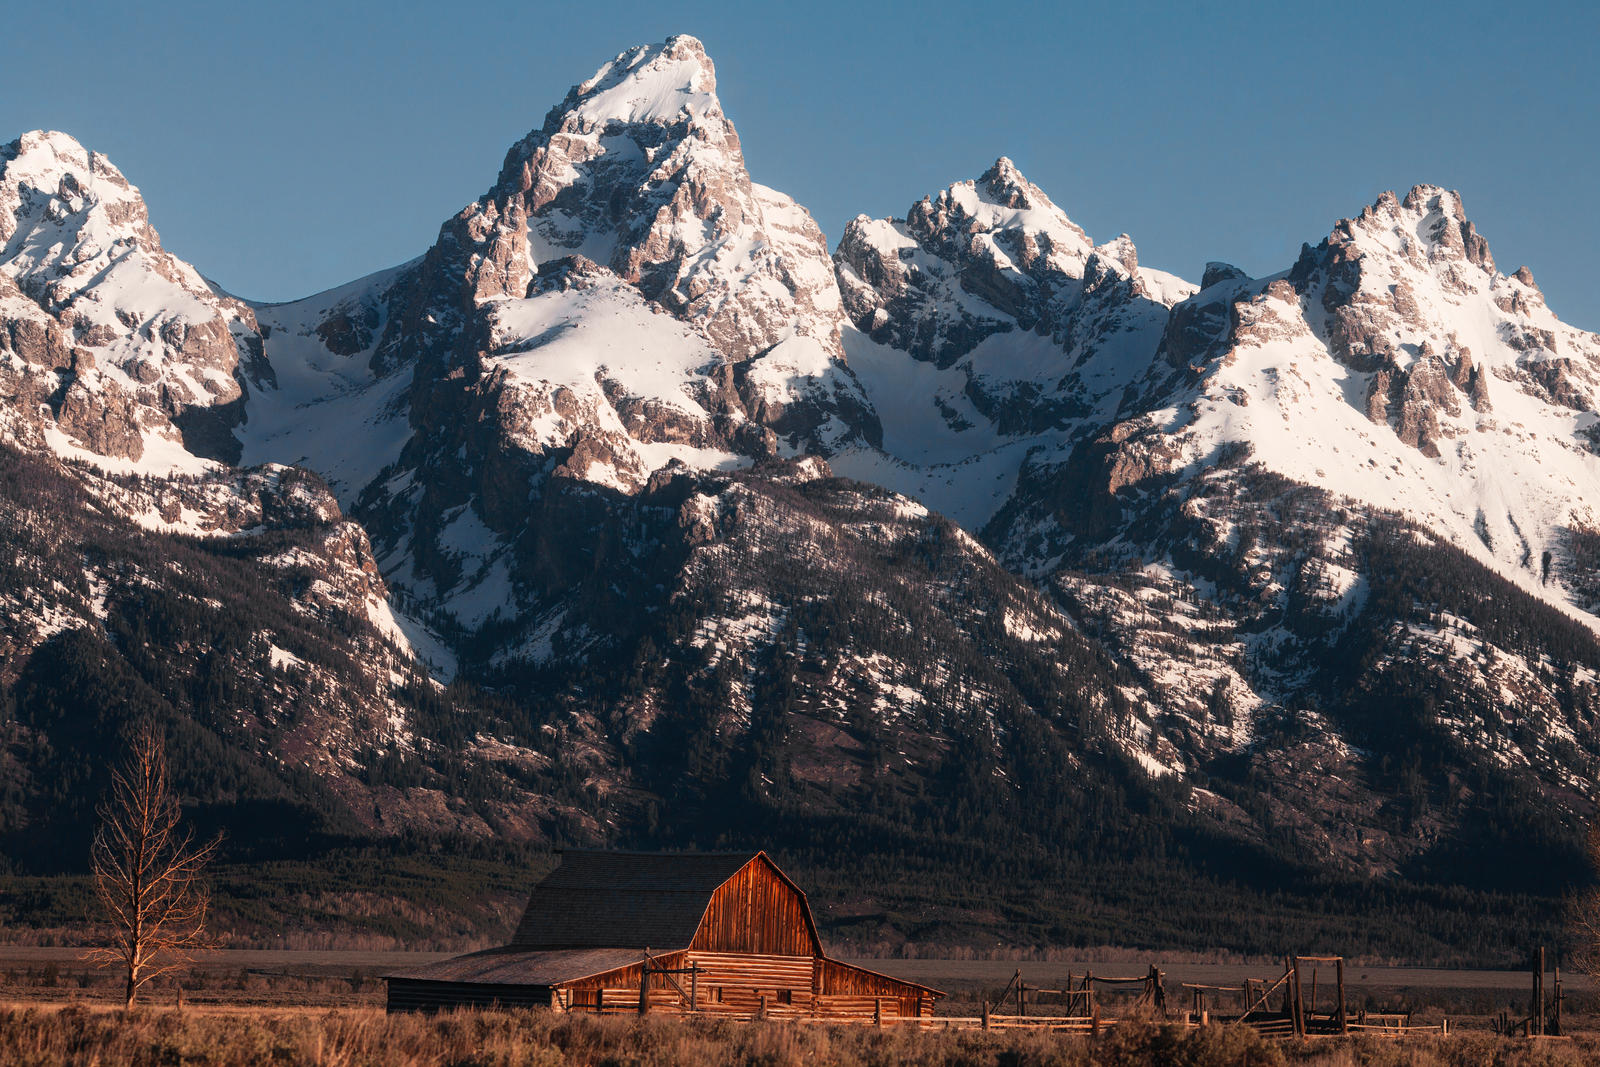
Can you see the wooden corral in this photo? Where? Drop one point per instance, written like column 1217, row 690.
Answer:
column 1287, row 1007
column 700, row 933
column 1291, row 1007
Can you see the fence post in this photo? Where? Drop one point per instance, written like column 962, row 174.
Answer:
column 1559, row 999
column 1299, row 998
column 986, row 1014
column 1344, row 1019
column 1536, row 1009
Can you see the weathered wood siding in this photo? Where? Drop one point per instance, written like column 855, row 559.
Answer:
column 628, row 977
column 757, row 911
column 777, row 985
column 859, row 1009
column 849, row 987
column 743, row 984
column 723, row 983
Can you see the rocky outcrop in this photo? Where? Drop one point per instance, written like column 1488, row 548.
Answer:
column 1378, row 390
column 998, row 238
column 1216, row 272
column 1421, row 396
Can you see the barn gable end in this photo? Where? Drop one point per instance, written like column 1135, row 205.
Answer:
column 758, row 910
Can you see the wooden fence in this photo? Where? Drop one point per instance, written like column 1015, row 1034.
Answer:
column 1281, row 1008
column 1286, row 1007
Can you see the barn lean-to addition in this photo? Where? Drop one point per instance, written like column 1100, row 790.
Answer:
column 706, row 933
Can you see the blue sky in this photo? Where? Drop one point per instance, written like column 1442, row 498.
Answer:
column 287, row 147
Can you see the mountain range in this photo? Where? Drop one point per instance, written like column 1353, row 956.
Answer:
column 628, row 513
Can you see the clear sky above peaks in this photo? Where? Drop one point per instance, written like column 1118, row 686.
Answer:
column 284, row 148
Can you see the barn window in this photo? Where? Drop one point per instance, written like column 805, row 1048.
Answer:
column 785, row 996
column 716, row 994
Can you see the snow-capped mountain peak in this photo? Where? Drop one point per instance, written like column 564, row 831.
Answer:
column 50, row 173
column 984, row 257
column 639, row 170
column 664, row 83
column 150, row 351
column 1397, row 368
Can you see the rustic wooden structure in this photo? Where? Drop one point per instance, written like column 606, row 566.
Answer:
column 1544, row 1010
column 1080, row 996
column 725, row 934
column 1286, row 1008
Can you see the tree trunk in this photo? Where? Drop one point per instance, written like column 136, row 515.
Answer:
column 128, row 1003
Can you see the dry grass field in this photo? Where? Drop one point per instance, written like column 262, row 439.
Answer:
column 353, row 978
column 325, row 1008
column 46, row 1036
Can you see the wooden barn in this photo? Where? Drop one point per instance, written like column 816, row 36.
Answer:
column 706, row 933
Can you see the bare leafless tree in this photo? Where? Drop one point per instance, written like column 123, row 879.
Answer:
column 148, row 870
column 1584, row 917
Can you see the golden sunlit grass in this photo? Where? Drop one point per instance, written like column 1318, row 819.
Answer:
column 36, row 1036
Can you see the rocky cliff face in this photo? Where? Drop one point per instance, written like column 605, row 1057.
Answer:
column 1302, row 565
column 639, row 174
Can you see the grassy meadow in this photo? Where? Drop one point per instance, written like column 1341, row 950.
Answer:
column 326, row 1008
column 45, row 1036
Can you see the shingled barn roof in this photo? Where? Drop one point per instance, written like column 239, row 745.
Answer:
column 515, row 966
column 624, row 900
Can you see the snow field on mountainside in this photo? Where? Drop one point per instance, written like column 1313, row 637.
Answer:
column 323, row 410
column 1303, row 416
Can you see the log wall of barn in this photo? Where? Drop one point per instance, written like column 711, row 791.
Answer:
column 747, row 984
column 628, row 977
column 840, row 980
